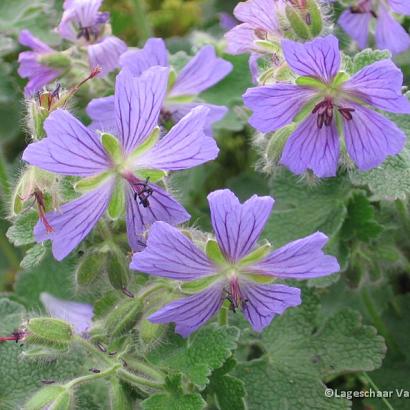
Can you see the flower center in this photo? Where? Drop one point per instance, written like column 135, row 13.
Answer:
column 142, row 190
column 325, row 109
column 363, row 6
column 233, row 294
column 92, row 33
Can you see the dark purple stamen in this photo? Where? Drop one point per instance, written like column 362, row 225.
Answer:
column 234, row 296
column 94, row 370
column 101, row 347
column 324, row 111
column 47, row 381
column 261, row 34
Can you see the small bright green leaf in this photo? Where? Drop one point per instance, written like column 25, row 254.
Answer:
column 268, row 46
column 34, row 256
column 112, row 146
column 257, row 254
column 117, row 203
column 90, row 183
column 340, row 78
column 154, row 175
column 194, row 286
column 148, row 143
column 309, row 82
column 214, row 252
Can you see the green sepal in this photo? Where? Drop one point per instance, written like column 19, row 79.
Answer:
column 154, row 175
column 256, row 255
column 90, row 183
column 44, row 397
column 121, row 398
column 180, row 99
column 117, row 203
column 150, row 333
column 112, row 146
column 263, row 279
column 148, row 143
column 277, row 141
column 50, row 332
column 316, row 19
column 214, row 252
column 171, row 79
column 62, row 402
column 306, row 81
column 298, row 25
column 340, row 78
column 194, row 286
column 268, row 46
column 306, row 110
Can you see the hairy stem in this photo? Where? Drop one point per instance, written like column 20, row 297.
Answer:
column 93, row 376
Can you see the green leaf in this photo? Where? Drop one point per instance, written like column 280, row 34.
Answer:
column 174, row 398
column 360, row 222
column 21, row 232
column 21, row 377
column 206, row 350
column 34, row 256
column 302, row 352
column 228, row 391
column 367, row 57
column 302, row 209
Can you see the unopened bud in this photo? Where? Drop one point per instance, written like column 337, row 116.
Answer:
column 55, row 60
column 276, row 143
column 123, row 317
column 90, row 266
column 49, row 332
column 117, row 269
column 297, row 23
column 50, row 397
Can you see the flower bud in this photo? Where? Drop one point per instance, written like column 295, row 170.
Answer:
column 49, row 332
column 123, row 317
column 117, row 269
column 55, row 60
column 90, row 266
column 52, row 397
column 34, row 183
column 120, row 398
column 150, row 333
column 276, row 143
column 304, row 18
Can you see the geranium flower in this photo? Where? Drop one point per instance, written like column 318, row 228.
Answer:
column 234, row 268
column 202, row 72
column 117, row 168
column 330, row 98
column 31, row 67
column 389, row 34
column 82, row 23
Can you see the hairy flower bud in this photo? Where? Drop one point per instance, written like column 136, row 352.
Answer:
column 49, row 332
column 90, row 266
column 123, row 317
column 54, row 397
column 304, row 18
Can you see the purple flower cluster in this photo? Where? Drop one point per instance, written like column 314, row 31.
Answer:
column 327, row 98
column 82, row 24
column 236, row 270
column 390, row 35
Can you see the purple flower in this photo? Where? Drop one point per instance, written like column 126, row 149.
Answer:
column 30, row 67
column 79, row 315
column 235, row 269
column 331, row 98
column 117, row 168
column 201, row 73
column 389, row 33
column 84, row 24
column 260, row 24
